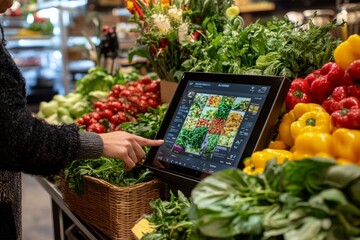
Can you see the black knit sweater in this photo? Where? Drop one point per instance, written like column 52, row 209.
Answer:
column 30, row 145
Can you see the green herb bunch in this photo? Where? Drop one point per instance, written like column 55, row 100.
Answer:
column 277, row 47
column 170, row 218
column 108, row 169
column 308, row 199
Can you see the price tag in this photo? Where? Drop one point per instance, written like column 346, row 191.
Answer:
column 141, row 228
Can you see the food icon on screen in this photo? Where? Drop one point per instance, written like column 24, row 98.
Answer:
column 254, row 108
column 241, row 104
column 209, row 144
column 190, row 123
column 232, row 124
column 214, row 101
column 208, row 113
column 191, row 140
column 201, row 99
column 195, row 110
column 226, row 141
column 178, row 149
column 203, row 123
column 224, row 107
column 216, row 126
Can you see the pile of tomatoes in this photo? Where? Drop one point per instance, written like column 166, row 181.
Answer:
column 122, row 105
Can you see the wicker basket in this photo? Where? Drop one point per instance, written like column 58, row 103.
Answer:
column 113, row 210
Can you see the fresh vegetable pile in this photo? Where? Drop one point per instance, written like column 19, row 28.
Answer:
column 336, row 89
column 170, row 218
column 309, row 199
column 63, row 109
column 323, row 115
column 122, row 105
column 108, row 169
column 94, row 86
column 278, row 47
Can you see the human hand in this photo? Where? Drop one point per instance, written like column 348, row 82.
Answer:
column 126, row 146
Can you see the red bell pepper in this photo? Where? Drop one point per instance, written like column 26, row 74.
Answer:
column 346, row 118
column 312, row 76
column 354, row 70
column 321, row 88
column 332, row 102
column 333, row 72
column 298, row 93
column 354, row 90
column 347, row 80
column 348, row 113
column 330, row 105
column 339, row 93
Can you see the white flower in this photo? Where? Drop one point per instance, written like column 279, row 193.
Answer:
column 183, row 31
column 175, row 14
column 162, row 23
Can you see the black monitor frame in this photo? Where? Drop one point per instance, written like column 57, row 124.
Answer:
column 258, row 140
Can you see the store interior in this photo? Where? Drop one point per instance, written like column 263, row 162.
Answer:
column 53, row 44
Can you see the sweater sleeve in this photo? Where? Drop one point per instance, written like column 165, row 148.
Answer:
column 29, row 144
column 91, row 146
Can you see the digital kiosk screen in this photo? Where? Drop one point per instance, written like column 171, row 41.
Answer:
column 213, row 124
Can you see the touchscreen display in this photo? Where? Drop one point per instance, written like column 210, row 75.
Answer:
column 212, row 125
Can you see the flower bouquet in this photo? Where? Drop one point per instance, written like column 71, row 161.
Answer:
column 167, row 27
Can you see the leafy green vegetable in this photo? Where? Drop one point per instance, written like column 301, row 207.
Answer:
column 147, row 124
column 170, row 218
column 278, row 47
column 96, row 79
column 308, row 199
column 108, row 169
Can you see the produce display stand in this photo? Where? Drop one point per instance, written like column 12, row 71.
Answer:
column 63, row 218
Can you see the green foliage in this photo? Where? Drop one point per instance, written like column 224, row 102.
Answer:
column 108, row 169
column 308, row 199
column 278, row 47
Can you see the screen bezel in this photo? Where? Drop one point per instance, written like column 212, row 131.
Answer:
column 259, row 137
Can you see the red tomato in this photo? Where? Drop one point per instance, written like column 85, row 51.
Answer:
column 91, row 121
column 86, row 118
column 96, row 127
column 80, row 121
column 142, row 105
column 152, row 103
column 133, row 99
column 118, row 87
column 118, row 118
column 115, row 93
column 110, row 99
column 99, row 105
column 153, row 87
column 125, row 93
column 95, row 116
column 107, row 113
column 116, row 106
column 145, row 80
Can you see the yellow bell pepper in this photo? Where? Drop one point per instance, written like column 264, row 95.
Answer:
column 290, row 117
column 312, row 121
column 302, row 108
column 348, row 51
column 277, row 144
column 314, row 144
column 347, row 144
column 258, row 160
column 284, row 128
